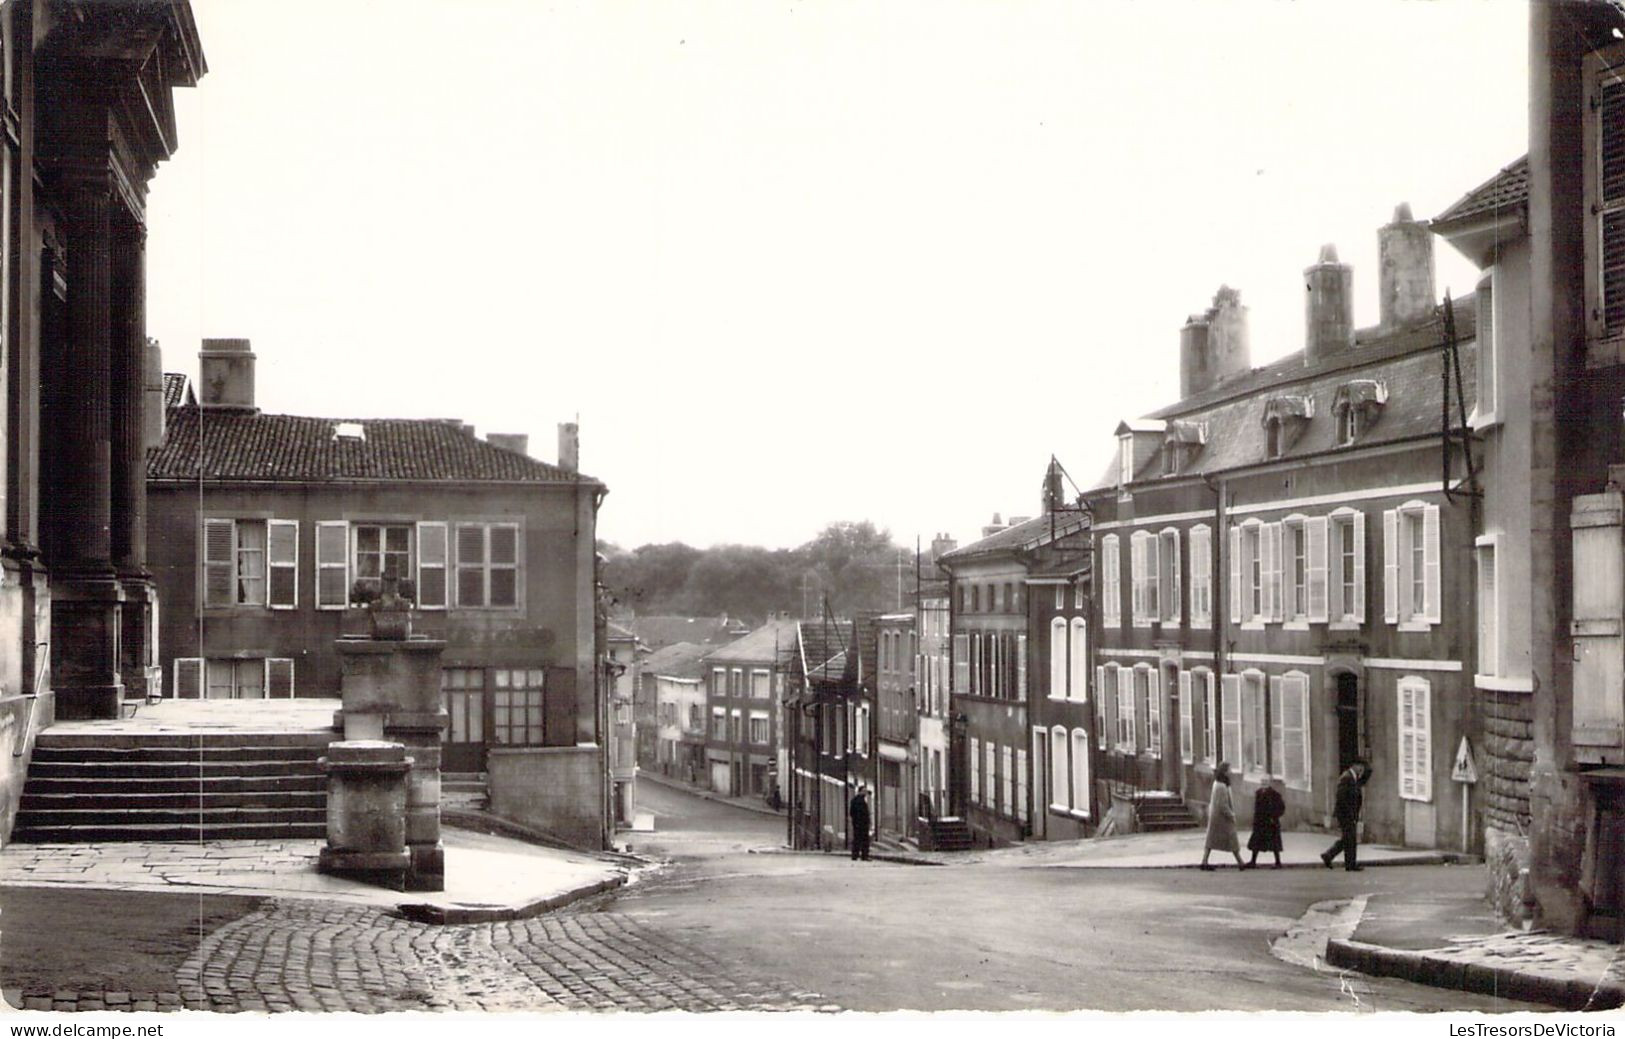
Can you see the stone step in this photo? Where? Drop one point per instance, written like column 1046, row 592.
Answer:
column 134, row 831
column 34, row 800
column 209, row 818
column 143, row 740
column 141, row 771
column 250, row 784
column 176, row 753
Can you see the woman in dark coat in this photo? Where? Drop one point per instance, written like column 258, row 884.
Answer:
column 1268, row 807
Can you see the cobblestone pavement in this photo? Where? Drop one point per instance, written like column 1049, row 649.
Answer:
column 317, row 956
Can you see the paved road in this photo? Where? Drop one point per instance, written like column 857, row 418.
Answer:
column 722, row 927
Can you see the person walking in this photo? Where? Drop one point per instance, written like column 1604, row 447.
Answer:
column 1346, row 810
column 1221, row 819
column 1268, row 807
column 859, row 812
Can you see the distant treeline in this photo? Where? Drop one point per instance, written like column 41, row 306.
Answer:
column 855, row 565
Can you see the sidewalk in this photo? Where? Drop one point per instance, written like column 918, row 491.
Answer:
column 487, row 877
column 750, row 804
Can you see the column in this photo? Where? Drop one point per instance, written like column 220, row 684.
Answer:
column 129, row 448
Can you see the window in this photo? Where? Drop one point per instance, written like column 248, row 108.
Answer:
column 964, row 598
column 1348, row 423
column 1141, row 708
column 1077, row 596
column 961, row 653
column 1168, row 576
column 1111, row 601
column 1489, row 608
column 761, row 684
column 1207, row 692
column 1605, row 194
column 719, row 725
column 1060, row 774
column 1144, row 569
column 1347, row 567
column 1080, row 660
column 1105, row 695
column 736, row 726
column 990, row 774
column 759, row 727
column 1201, row 538
column 1060, row 597
column 1080, row 770
column 1289, row 728
column 380, row 549
column 1057, row 659
column 694, row 724
column 736, row 682
column 1007, row 781
column 1249, row 571
column 1410, row 536
column 1021, row 785
column 1415, row 740
column 1295, row 543
column 1272, row 438
column 487, row 565
column 719, row 682
column 1253, row 731
column 976, row 598
column 1125, row 460
column 238, row 570
column 1125, row 714
column 1230, row 720
column 1187, row 718
column 332, row 565
column 516, row 706
column 996, row 597
column 1149, row 694
column 188, row 678
column 235, row 679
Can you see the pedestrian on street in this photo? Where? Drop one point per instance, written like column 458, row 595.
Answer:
column 1221, row 819
column 1350, row 797
column 859, row 811
column 1268, row 807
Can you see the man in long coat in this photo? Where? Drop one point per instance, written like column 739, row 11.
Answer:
column 859, row 812
column 1346, row 810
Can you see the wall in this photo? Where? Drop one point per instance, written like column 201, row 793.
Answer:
column 555, row 789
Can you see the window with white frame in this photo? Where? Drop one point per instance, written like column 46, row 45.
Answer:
column 1144, row 575
column 1346, row 561
column 1411, row 591
column 1187, row 718
column 976, row 770
column 1126, row 735
column 1007, row 781
column 1289, row 728
column 1148, row 695
column 990, row 774
column 1201, row 539
column 1060, row 774
column 719, row 724
column 1230, row 720
column 250, row 562
column 1111, row 595
column 377, row 549
column 719, row 682
column 1415, row 739
column 1021, row 785
column 1254, row 734
column 1060, row 597
column 248, row 678
column 1489, row 607
column 1077, row 596
column 1105, row 699
column 1248, row 572
column 1125, row 460
column 487, row 565
column 1295, row 566
column 759, row 727
column 1080, row 770
column 1207, row 694
column 1168, row 591
column 1078, row 650
column 1057, row 659
column 761, row 684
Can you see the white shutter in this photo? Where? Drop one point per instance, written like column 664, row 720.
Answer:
column 1079, row 671
column 1235, row 575
column 1318, row 529
column 1137, row 577
column 961, row 664
column 279, row 678
column 1359, row 567
column 1424, row 742
column 1407, row 741
column 218, row 563
column 1170, row 609
column 188, row 678
column 976, row 770
column 1273, row 554
column 1021, row 667
column 1153, row 711
column 332, row 565
column 1060, row 774
column 1276, row 755
column 1100, row 707
column 1187, row 729
column 1295, row 732
column 1127, row 738
column 1390, row 566
column 1430, row 563
column 1152, row 602
column 1080, row 770
column 432, row 560
column 1057, row 658
column 282, row 563
column 1230, row 711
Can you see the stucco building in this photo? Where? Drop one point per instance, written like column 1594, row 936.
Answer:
column 674, row 679
column 744, row 697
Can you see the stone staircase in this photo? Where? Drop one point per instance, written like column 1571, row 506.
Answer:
column 463, row 790
column 174, row 787
column 1160, row 812
column 947, row 833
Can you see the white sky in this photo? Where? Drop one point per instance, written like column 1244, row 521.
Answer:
column 794, row 262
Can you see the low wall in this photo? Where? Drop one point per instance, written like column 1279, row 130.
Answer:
column 1506, row 856
column 558, row 790
column 21, row 719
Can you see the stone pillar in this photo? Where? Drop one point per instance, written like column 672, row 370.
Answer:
column 391, row 691
column 366, row 811
column 85, row 616
column 129, row 449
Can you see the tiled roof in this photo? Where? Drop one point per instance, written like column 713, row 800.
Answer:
column 659, row 630
column 238, row 445
column 1019, row 538
column 1508, row 189
column 828, row 649
column 681, row 660
column 1406, row 363
column 176, row 390
column 761, row 645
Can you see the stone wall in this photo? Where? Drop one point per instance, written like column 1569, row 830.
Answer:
column 1506, row 856
column 558, row 790
column 1509, row 748
column 21, row 719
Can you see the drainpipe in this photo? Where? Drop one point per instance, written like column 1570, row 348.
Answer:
column 1221, row 594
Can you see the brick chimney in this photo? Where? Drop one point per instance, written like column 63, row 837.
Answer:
column 518, row 443
column 1405, row 270
column 1213, row 346
column 569, row 446
column 226, row 375
column 1328, row 307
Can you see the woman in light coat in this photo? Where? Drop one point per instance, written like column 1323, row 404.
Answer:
column 1221, row 819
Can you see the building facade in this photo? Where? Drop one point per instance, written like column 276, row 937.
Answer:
column 931, row 613
column 674, row 677
column 896, row 741
column 1274, row 558
column 828, row 711
column 744, row 697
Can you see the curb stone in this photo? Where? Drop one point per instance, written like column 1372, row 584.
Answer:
column 1425, row 968
column 430, row 913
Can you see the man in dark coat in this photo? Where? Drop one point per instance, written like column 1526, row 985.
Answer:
column 859, row 812
column 1350, row 798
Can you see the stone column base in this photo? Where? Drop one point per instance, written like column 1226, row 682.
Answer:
column 85, row 623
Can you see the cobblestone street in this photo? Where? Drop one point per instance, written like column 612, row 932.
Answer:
column 313, row 956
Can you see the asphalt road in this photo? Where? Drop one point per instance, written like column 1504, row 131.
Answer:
column 881, row 936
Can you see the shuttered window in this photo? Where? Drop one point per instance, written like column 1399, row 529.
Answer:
column 1060, row 774
column 1021, row 785
column 1208, row 692
column 1125, row 713
column 1201, row 554
column 1007, row 781
column 975, row 770
column 1078, row 650
column 1415, row 739
column 432, row 558
column 188, row 678
column 218, row 546
column 1187, row 723
column 1294, row 765
column 1317, row 531
column 1168, row 576
column 1489, row 608
column 990, row 774
column 1347, row 567
column 1230, row 709
column 1137, row 567
column 1150, row 697
column 1411, row 564
column 282, row 559
column 961, row 664
column 1080, row 770
column 1102, row 695
column 1605, row 191
column 1057, row 658
column 1111, row 601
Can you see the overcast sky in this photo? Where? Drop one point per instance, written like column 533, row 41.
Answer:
column 795, row 262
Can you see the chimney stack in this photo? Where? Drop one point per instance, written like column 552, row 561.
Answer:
column 518, row 443
column 1405, row 270
column 941, row 545
column 1328, row 307
column 1213, row 346
column 569, row 446
column 226, row 375
column 152, row 394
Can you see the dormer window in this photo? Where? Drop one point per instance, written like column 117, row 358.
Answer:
column 1357, row 406
column 1285, row 419
column 1125, row 460
column 1180, row 445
